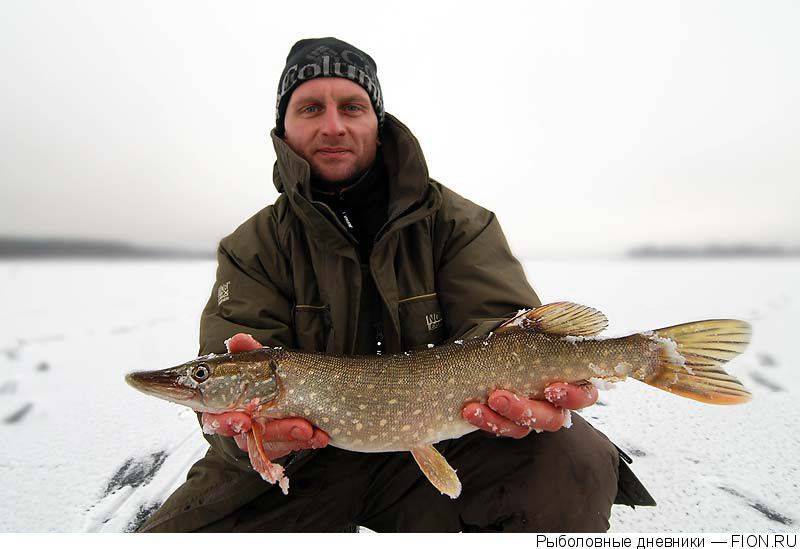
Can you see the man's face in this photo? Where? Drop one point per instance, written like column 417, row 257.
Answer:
column 330, row 122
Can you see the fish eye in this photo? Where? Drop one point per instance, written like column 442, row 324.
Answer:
column 201, row 372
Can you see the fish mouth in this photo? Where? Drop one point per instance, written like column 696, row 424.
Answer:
column 161, row 384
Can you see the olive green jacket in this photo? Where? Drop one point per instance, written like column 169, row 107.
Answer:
column 291, row 276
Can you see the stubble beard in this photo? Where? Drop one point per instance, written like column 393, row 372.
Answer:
column 350, row 174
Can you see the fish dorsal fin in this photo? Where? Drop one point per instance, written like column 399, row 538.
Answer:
column 560, row 318
column 437, row 470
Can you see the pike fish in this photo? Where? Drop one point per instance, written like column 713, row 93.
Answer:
column 409, row 401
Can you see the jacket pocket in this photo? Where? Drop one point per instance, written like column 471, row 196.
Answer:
column 312, row 327
column 421, row 321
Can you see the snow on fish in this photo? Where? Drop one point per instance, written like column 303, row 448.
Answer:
column 412, row 400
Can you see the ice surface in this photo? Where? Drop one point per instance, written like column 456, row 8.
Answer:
column 567, row 419
column 690, row 451
column 555, row 393
column 623, row 369
column 81, row 459
column 577, row 339
column 601, row 384
column 670, row 348
column 93, row 322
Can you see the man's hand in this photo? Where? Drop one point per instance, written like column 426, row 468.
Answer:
column 281, row 436
column 508, row 414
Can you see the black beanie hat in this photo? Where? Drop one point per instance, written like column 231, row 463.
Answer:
column 317, row 57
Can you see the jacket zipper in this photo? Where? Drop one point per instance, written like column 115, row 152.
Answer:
column 379, row 337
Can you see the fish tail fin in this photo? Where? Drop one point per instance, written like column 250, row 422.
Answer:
column 691, row 356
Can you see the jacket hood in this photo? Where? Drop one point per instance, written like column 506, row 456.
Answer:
column 405, row 165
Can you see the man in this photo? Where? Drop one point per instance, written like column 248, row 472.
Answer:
column 364, row 253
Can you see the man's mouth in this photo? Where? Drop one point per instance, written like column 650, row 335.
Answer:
column 333, row 152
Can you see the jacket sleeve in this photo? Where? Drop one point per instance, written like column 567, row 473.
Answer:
column 251, row 295
column 246, row 300
column 479, row 282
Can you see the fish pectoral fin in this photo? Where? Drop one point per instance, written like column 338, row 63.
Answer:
column 562, row 318
column 438, row 471
column 271, row 472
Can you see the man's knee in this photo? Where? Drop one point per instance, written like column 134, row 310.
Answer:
column 562, row 481
column 577, row 469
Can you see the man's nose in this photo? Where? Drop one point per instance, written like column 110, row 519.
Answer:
column 332, row 123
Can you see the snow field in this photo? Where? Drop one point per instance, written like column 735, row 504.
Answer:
column 81, row 451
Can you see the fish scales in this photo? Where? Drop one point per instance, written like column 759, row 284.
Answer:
column 396, row 402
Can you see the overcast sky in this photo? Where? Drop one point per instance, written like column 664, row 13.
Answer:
column 587, row 127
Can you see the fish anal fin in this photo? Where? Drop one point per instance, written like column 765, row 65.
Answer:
column 438, row 471
column 562, row 318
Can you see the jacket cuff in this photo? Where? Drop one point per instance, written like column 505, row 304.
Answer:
column 483, row 328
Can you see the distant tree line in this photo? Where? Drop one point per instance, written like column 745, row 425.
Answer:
column 714, row 250
column 20, row 247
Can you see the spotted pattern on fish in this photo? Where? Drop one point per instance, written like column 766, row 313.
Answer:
column 412, row 399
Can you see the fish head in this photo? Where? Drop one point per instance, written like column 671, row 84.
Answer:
column 214, row 383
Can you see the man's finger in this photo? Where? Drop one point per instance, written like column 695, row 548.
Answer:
column 288, row 430
column 227, row 424
column 313, row 443
column 241, row 343
column 319, row 440
column 573, row 397
column 275, row 449
column 485, row 418
column 534, row 414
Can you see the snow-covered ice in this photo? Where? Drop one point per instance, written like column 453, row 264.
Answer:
column 710, row 468
column 91, row 454
column 82, row 451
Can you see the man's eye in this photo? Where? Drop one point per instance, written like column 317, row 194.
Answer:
column 311, row 109
column 353, row 108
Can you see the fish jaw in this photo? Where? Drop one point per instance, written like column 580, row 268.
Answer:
column 245, row 382
column 166, row 385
